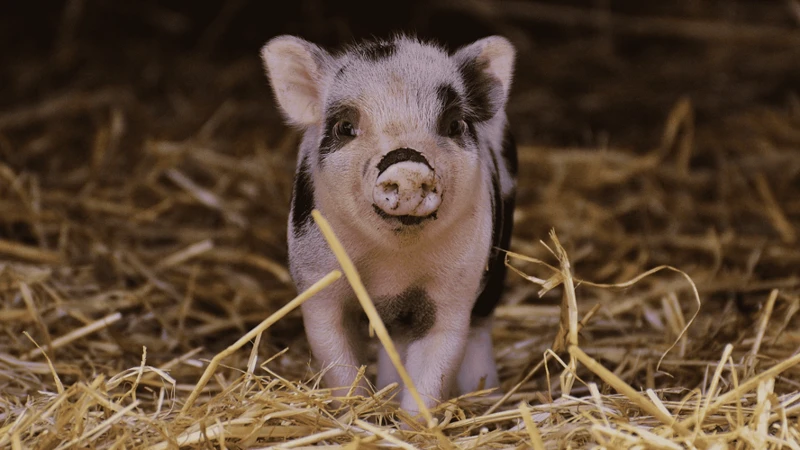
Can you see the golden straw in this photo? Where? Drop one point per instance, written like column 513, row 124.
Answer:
column 260, row 328
column 626, row 390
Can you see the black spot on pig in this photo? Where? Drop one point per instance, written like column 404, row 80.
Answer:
column 411, row 313
column 502, row 227
column 302, row 198
column 331, row 139
column 452, row 112
column 401, row 155
column 509, row 151
column 449, row 98
column 376, row 51
column 341, row 71
column 484, row 92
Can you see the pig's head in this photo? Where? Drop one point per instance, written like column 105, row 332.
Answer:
column 392, row 128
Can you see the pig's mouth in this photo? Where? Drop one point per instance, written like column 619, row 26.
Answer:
column 407, row 220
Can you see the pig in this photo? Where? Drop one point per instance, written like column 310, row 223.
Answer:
column 406, row 150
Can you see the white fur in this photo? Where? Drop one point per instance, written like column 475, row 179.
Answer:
column 398, row 108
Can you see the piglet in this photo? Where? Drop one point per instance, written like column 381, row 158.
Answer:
column 406, row 151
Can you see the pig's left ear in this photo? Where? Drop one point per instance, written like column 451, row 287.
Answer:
column 487, row 66
column 295, row 69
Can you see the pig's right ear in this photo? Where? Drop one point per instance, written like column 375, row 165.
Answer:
column 295, row 69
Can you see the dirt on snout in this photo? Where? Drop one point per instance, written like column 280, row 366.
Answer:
column 407, row 189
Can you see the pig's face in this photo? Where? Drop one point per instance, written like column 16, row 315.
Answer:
column 396, row 148
column 391, row 127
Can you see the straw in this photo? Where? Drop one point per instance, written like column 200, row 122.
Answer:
column 146, row 299
column 264, row 325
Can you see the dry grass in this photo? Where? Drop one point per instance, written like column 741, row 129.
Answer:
column 144, row 302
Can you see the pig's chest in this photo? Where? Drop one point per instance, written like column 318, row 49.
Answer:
column 411, row 313
column 407, row 315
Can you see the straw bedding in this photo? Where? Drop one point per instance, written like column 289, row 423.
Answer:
column 654, row 291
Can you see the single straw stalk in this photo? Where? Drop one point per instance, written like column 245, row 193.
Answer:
column 530, row 426
column 568, row 327
column 372, row 313
column 75, row 335
column 752, row 357
column 25, row 252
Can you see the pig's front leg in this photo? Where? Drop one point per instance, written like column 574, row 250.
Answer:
column 433, row 359
column 334, row 343
column 478, row 369
column 387, row 373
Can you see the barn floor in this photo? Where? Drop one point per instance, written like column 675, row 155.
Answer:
column 145, row 178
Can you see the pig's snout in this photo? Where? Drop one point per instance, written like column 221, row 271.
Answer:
column 406, row 185
column 407, row 189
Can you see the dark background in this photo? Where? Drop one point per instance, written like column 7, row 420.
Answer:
column 103, row 102
column 584, row 77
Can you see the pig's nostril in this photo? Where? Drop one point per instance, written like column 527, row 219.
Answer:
column 407, row 188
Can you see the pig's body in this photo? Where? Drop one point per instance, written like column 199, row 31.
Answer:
column 406, row 152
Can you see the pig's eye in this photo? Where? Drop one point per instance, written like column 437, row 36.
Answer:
column 457, row 128
column 344, row 128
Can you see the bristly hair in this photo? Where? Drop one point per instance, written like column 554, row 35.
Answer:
column 357, row 47
column 375, row 49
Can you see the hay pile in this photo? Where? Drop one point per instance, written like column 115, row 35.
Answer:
column 142, row 238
